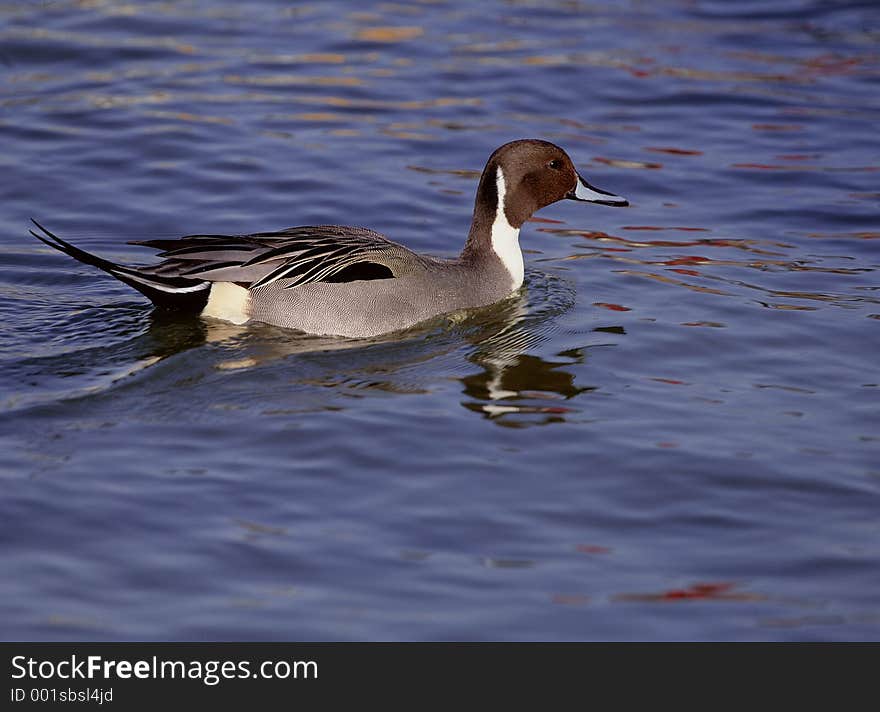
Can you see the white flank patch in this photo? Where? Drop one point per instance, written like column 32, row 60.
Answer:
column 505, row 237
column 229, row 302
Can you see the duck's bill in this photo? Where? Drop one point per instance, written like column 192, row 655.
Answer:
column 591, row 194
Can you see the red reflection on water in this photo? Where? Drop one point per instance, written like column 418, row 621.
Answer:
column 777, row 127
column 657, row 228
column 674, row 151
column 720, row 591
column 673, row 381
column 592, row 549
column 594, row 234
column 623, row 163
column 688, row 260
column 859, row 235
column 689, row 272
column 760, row 166
column 831, row 65
column 612, row 307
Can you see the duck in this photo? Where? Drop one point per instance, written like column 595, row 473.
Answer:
column 335, row 280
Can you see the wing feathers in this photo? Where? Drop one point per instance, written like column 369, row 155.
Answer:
column 292, row 257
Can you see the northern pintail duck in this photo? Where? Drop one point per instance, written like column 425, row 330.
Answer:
column 351, row 281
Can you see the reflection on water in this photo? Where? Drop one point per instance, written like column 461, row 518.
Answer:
column 721, row 271
column 513, row 382
column 513, row 387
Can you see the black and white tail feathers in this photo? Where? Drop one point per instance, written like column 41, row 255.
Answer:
column 167, row 292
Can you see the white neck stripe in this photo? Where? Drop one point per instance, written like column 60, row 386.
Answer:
column 505, row 237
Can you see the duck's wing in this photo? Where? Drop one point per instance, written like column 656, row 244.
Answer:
column 291, row 257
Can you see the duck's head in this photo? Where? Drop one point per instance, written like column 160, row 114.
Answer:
column 531, row 174
column 519, row 179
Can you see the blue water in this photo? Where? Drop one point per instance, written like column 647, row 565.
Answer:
column 670, row 433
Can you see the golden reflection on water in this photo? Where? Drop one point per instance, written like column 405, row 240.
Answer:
column 286, row 80
column 388, row 34
column 175, row 9
column 186, row 116
column 308, row 58
column 315, row 116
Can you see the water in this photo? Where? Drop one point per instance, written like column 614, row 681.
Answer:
column 671, row 433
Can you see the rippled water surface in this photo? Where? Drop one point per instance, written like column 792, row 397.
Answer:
column 671, row 432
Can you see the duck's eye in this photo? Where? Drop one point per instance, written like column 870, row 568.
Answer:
column 555, row 164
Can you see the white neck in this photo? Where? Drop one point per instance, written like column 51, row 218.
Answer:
column 505, row 237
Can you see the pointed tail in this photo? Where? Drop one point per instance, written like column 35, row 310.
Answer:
column 165, row 292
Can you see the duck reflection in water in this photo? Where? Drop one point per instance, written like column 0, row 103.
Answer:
column 516, row 388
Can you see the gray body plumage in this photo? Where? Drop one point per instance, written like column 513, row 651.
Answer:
column 369, row 308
